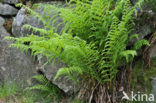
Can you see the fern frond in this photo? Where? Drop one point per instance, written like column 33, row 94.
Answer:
column 40, row 78
column 35, row 29
column 133, row 36
column 128, row 54
column 69, row 72
column 140, row 43
column 39, row 87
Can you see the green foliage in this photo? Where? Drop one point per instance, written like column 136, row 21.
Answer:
column 46, row 87
column 142, row 76
column 8, row 90
column 140, row 43
column 93, row 42
column 69, row 72
column 11, row 92
column 153, row 3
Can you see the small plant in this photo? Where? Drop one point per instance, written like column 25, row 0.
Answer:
column 8, row 90
column 46, row 88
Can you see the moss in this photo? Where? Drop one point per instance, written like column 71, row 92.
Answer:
column 142, row 76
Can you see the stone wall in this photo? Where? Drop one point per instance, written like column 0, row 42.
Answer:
column 20, row 67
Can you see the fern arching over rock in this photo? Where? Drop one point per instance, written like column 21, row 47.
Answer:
column 92, row 43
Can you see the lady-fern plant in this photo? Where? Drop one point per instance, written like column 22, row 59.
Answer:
column 93, row 42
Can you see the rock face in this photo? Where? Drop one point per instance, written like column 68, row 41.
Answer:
column 7, row 10
column 14, row 65
column 10, row 1
column 22, row 19
column 49, row 70
column 1, row 21
column 144, row 23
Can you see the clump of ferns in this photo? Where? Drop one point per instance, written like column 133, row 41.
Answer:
column 92, row 43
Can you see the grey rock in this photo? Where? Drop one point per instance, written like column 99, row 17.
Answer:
column 64, row 83
column 21, row 19
column 10, row 1
column 7, row 10
column 153, row 52
column 143, row 30
column 1, row 21
column 144, row 24
column 49, row 70
column 14, row 65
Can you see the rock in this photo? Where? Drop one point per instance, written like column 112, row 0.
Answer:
column 22, row 18
column 14, row 65
column 1, row 21
column 153, row 51
column 144, row 23
column 7, row 10
column 10, row 1
column 49, row 70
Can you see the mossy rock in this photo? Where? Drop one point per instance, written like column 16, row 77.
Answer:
column 142, row 76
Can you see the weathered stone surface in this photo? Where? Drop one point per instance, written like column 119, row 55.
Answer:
column 10, row 1
column 153, row 51
column 14, row 65
column 7, row 10
column 49, row 70
column 144, row 23
column 1, row 21
column 22, row 18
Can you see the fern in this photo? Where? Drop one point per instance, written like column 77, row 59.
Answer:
column 46, row 87
column 70, row 72
column 93, row 41
column 140, row 43
column 128, row 54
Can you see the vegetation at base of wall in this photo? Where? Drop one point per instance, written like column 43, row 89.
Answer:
column 11, row 93
column 142, row 76
column 8, row 89
column 46, row 88
column 153, row 3
column 93, row 43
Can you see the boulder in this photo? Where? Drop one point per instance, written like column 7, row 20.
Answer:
column 49, row 70
column 14, row 65
column 153, row 51
column 10, row 1
column 7, row 10
column 23, row 18
column 1, row 21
